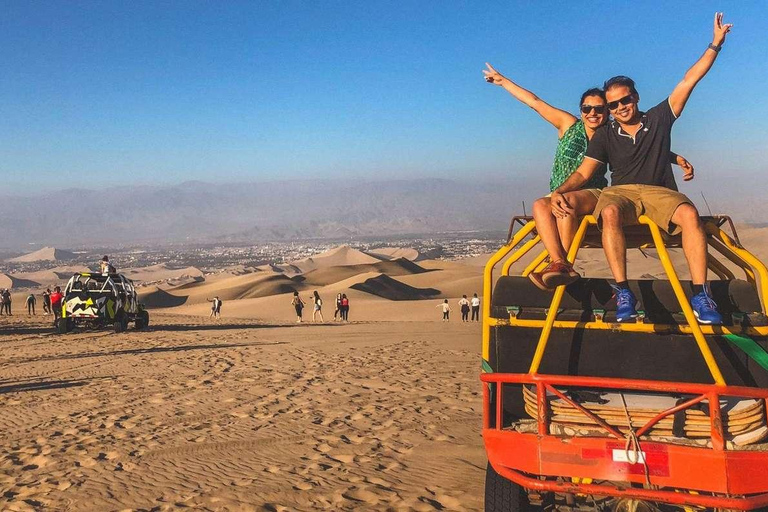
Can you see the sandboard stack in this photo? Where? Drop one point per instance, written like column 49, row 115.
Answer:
column 744, row 420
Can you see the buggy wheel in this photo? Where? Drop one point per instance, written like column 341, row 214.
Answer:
column 502, row 495
column 120, row 323
column 62, row 325
column 142, row 320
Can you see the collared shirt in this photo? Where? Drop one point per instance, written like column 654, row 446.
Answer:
column 642, row 159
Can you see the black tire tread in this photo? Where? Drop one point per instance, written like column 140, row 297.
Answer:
column 502, row 495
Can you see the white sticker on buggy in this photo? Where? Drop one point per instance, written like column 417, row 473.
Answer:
column 630, row 457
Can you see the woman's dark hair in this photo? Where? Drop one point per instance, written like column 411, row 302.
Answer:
column 620, row 80
column 296, row 293
column 595, row 91
column 316, row 295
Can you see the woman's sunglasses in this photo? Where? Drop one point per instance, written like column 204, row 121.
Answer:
column 586, row 109
column 626, row 100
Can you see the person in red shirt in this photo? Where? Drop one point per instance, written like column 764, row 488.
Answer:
column 56, row 298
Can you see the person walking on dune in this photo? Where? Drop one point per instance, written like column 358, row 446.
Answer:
column 337, row 311
column 475, row 308
column 464, row 304
column 298, row 304
column 446, row 310
column 31, row 304
column 318, row 307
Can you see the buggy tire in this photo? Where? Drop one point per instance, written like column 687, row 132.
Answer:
column 142, row 320
column 502, row 495
column 120, row 323
column 62, row 326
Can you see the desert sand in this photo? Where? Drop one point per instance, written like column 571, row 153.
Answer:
column 254, row 411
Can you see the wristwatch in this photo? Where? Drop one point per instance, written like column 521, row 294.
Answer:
column 715, row 48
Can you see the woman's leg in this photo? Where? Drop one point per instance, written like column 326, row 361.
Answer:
column 583, row 203
column 546, row 226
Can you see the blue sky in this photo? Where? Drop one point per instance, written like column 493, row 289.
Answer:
column 102, row 93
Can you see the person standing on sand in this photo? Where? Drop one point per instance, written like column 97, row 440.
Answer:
column 344, row 307
column 464, row 304
column 475, row 308
column 7, row 299
column 446, row 310
column 56, row 298
column 47, row 301
column 2, row 302
column 337, row 311
column 318, row 308
column 298, row 304
column 31, row 304
column 215, row 307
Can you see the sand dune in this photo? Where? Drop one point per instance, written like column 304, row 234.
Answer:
column 328, row 275
column 155, row 297
column 339, row 256
column 392, row 289
column 12, row 281
column 44, row 254
column 160, row 272
column 393, row 253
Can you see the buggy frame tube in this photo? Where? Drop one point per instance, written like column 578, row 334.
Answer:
column 558, row 297
column 488, row 281
column 714, row 370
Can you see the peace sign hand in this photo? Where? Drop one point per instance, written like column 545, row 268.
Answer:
column 720, row 29
column 492, row 76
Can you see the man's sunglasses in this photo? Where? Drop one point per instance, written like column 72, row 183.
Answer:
column 626, row 100
column 586, row 109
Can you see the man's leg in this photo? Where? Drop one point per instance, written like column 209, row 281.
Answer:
column 694, row 241
column 686, row 217
column 614, row 242
column 613, row 215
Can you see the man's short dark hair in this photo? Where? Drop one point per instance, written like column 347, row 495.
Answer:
column 595, row 91
column 620, row 80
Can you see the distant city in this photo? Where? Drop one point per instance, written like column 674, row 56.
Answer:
column 213, row 257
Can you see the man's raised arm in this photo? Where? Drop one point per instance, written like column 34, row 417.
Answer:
column 683, row 90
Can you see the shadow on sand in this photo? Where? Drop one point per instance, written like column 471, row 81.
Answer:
column 39, row 385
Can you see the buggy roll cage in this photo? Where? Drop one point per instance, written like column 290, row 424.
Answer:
column 719, row 476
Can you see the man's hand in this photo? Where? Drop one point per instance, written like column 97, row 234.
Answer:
column 492, row 76
column 720, row 30
column 687, row 168
column 560, row 206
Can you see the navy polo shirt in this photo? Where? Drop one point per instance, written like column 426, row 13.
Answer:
column 642, row 159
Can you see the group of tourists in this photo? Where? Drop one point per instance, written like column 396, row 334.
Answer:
column 465, row 306
column 635, row 146
column 341, row 313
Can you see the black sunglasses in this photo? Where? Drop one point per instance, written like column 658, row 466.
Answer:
column 586, row 109
column 626, row 100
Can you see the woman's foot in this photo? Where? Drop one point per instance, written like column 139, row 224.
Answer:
column 557, row 273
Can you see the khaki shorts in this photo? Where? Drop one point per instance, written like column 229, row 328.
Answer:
column 657, row 203
column 594, row 191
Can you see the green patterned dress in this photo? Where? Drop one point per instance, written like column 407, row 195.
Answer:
column 568, row 156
